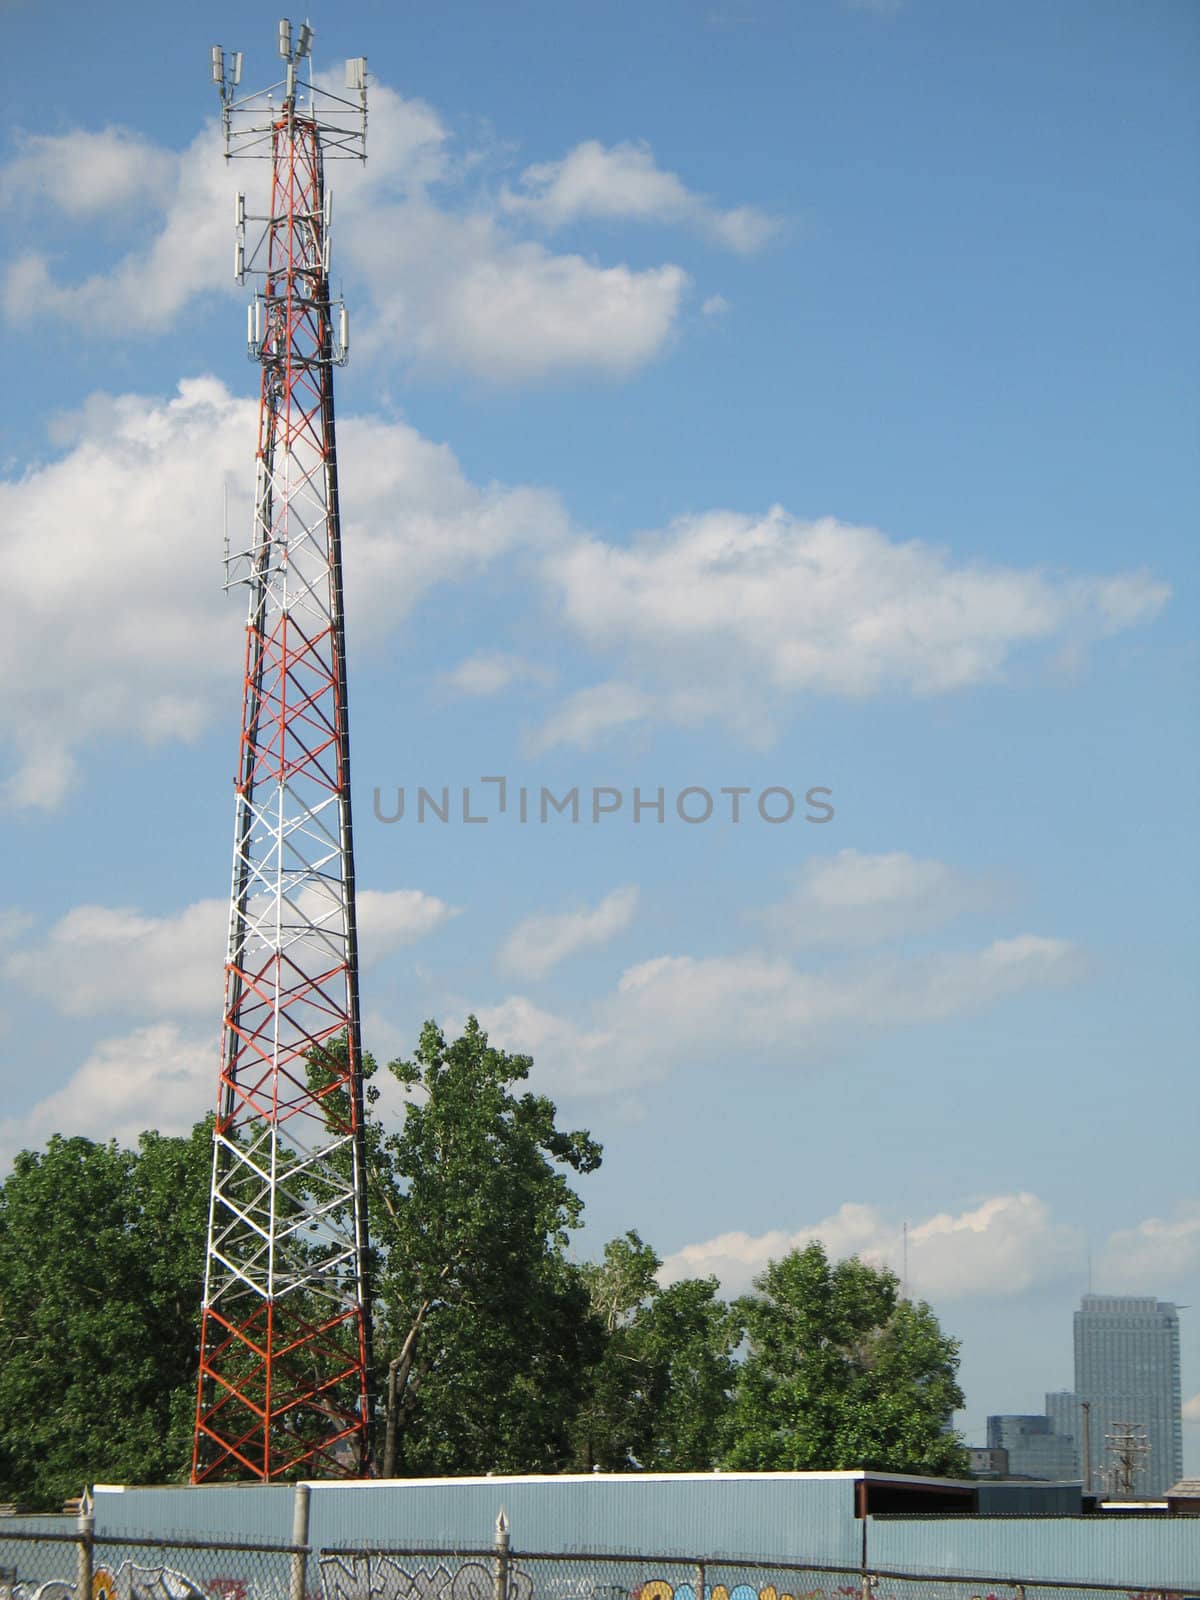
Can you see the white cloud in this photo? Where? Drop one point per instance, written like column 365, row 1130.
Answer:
column 13, row 923
column 539, row 942
column 389, row 919
column 586, row 716
column 1155, row 1255
column 143, row 292
column 458, row 291
column 725, row 616
column 99, row 959
column 129, row 628
column 852, row 898
column 103, row 958
column 88, row 175
column 132, row 634
column 625, row 182
column 1002, row 1246
column 486, row 675
column 450, row 283
column 1191, row 1409
column 156, row 1077
column 672, row 1010
column 570, row 1058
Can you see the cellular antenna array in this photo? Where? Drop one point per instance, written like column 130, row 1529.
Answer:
column 285, row 1354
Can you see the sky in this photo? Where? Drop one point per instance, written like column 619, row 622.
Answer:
column 788, row 405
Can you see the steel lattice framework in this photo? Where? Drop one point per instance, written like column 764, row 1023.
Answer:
column 285, row 1333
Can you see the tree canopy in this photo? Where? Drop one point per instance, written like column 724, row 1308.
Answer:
column 494, row 1349
column 101, row 1270
column 658, row 1393
column 476, row 1296
column 840, row 1373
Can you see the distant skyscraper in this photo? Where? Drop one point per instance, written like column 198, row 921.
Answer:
column 1127, row 1366
column 1035, row 1449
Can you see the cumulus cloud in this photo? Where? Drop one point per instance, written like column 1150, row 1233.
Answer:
column 458, row 291
column 671, row 1010
column 858, row 899
column 389, row 919
column 584, row 718
column 624, row 182
column 88, row 174
column 449, row 280
column 1191, row 1409
column 1002, row 1246
column 99, row 959
column 719, row 618
column 484, row 675
column 1155, row 1255
column 105, row 958
column 112, row 558
column 156, row 1077
column 143, row 291
column 538, row 943
column 722, row 612
column 13, row 923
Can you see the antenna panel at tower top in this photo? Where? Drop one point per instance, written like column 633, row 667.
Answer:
column 249, row 121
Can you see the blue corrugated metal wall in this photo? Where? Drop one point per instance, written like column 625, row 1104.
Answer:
column 780, row 1515
column 1138, row 1552
column 769, row 1516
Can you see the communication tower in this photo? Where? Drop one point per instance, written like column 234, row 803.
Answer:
column 285, row 1333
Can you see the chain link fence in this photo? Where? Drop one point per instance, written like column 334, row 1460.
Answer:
column 89, row 1566
column 503, row 1574
column 83, row 1565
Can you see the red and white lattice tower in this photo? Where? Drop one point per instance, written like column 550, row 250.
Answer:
column 285, row 1337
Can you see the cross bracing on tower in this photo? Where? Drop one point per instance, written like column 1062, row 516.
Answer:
column 285, row 1334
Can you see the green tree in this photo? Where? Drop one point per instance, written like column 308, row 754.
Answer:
column 842, row 1373
column 658, row 1394
column 483, row 1329
column 101, row 1269
column 691, row 1335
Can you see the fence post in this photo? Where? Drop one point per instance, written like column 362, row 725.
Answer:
column 501, row 1548
column 85, row 1524
column 699, row 1580
column 299, row 1542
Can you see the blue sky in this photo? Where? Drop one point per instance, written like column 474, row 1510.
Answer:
column 743, row 394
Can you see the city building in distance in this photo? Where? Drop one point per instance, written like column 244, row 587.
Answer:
column 1033, row 1448
column 1127, row 1377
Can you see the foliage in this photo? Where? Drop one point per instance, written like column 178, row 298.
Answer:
column 842, row 1373
column 691, row 1334
column 482, row 1324
column 101, row 1268
column 658, row 1394
column 496, row 1352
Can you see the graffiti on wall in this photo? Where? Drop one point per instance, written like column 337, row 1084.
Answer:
column 660, row 1589
column 129, row 1581
column 383, row 1578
